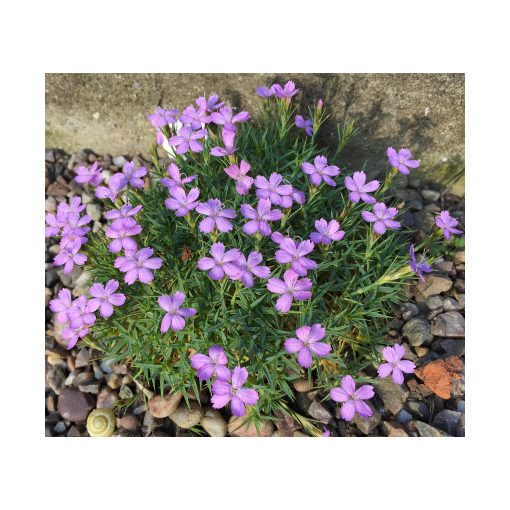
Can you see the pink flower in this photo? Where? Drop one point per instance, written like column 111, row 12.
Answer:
column 238, row 173
column 395, row 364
column 306, row 343
column 174, row 178
column 260, row 218
column 228, row 135
column 320, row 171
column 225, row 116
column 251, row 266
column 292, row 287
column 181, row 203
column 138, row 265
column 134, row 175
column 293, row 253
column 68, row 256
column 359, row 190
column 352, row 398
column 217, row 216
column 81, row 313
column 105, row 297
column 271, row 188
column 116, row 184
column 186, row 139
column 91, row 175
column 402, row 160
column 381, row 218
column 221, row 262
column 327, row 232
column 174, row 317
column 212, row 365
column 62, row 305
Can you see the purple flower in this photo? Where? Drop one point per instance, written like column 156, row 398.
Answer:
column 68, row 256
column 212, row 365
column 105, row 298
column 260, row 217
column 53, row 225
column 81, row 313
column 292, row 287
column 226, row 116
column 181, row 203
column 293, row 253
column 279, row 194
column 163, row 117
column 62, row 305
column 75, row 226
column 359, row 190
column 352, row 398
column 381, row 218
column 217, row 216
column 134, row 175
column 395, row 364
column 306, row 343
column 326, row 432
column 238, row 173
column 73, row 335
column 233, row 392
column 265, row 91
column 420, row 267
column 277, row 237
column 116, row 184
column 327, row 232
column 174, row 178
column 320, row 171
column 401, row 160
column 196, row 116
column 174, row 316
column 186, row 139
column 211, row 104
column 447, row 224
column 251, row 266
column 305, row 124
column 221, row 262
column 298, row 196
column 228, row 134
column 287, row 91
column 126, row 211
column 75, row 206
column 138, row 265
column 121, row 231
column 91, row 175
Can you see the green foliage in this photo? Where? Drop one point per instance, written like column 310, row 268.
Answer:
column 358, row 281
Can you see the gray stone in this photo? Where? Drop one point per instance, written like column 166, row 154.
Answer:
column 106, row 398
column 89, row 388
column 461, row 427
column 367, row 425
column 434, row 284
column 451, row 305
column 319, row 412
column 403, row 416
column 417, row 331
column 393, row 395
column 460, row 257
column 55, row 378
column 74, row 405
column 425, row 430
column 435, row 302
column 409, row 310
column 187, row 417
column 125, row 392
column 302, row 385
column 461, row 406
column 393, row 429
column 60, row 427
column 214, row 423
column 119, row 161
column 163, row 406
column 430, row 195
column 449, row 324
column 453, row 346
column 83, row 378
column 238, row 426
column 83, row 358
column 419, row 409
column 447, row 420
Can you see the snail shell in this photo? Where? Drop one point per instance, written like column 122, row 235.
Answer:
column 101, row 423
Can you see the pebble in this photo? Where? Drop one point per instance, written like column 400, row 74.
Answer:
column 367, row 425
column 113, row 381
column 73, row 432
column 128, row 422
column 50, row 205
column 434, row 284
column 106, row 398
column 120, row 369
column 430, row 195
column 449, row 324
column 51, row 277
column 83, row 358
column 106, row 366
column 439, row 375
column 214, row 423
column 89, row 388
column 74, row 405
column 403, row 417
column 425, row 430
column 461, row 427
column 451, row 305
column 163, row 406
column 421, row 351
column 319, row 412
column 87, row 198
column 238, row 427
column 435, row 302
column 419, row 409
column 460, row 257
column 55, row 379
column 409, row 310
column 302, row 385
column 417, row 331
column 447, row 420
column 461, row 406
column 125, row 392
column 393, row 429
column 95, row 211
column 51, row 404
column 393, row 395
column 59, row 427
column 83, row 378
column 187, row 417
column 119, row 161
column 453, row 346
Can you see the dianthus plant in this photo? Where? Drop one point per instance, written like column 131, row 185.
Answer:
column 243, row 258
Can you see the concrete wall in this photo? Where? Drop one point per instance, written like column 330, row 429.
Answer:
column 106, row 112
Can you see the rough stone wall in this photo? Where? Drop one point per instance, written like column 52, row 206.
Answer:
column 106, row 112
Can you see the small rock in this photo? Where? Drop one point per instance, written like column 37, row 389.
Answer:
column 417, row 331
column 238, row 427
column 185, row 417
column 98, row 374
column 119, row 161
column 106, row 366
column 445, row 266
column 366, row 425
column 83, row 378
column 434, row 302
column 451, row 305
column 73, row 432
column 421, row 351
column 49, row 155
column 393, row 429
column 51, row 278
column 95, row 211
column 453, row 346
column 302, row 385
column 74, row 405
column 125, row 392
column 51, row 403
column 119, row 369
column 425, row 430
column 87, row 198
column 460, row 257
column 430, row 195
column 434, row 284
column 128, row 422
column 163, row 406
column 461, row 406
column 403, row 417
column 409, row 310
column 461, row 427
column 83, row 358
column 447, row 420
column 449, row 324
column 440, row 374
column 214, row 423
column 419, row 409
column 89, row 388
column 55, row 379
column 393, row 395
column 106, row 398
column 113, row 381
column 319, row 412
column 60, row 427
